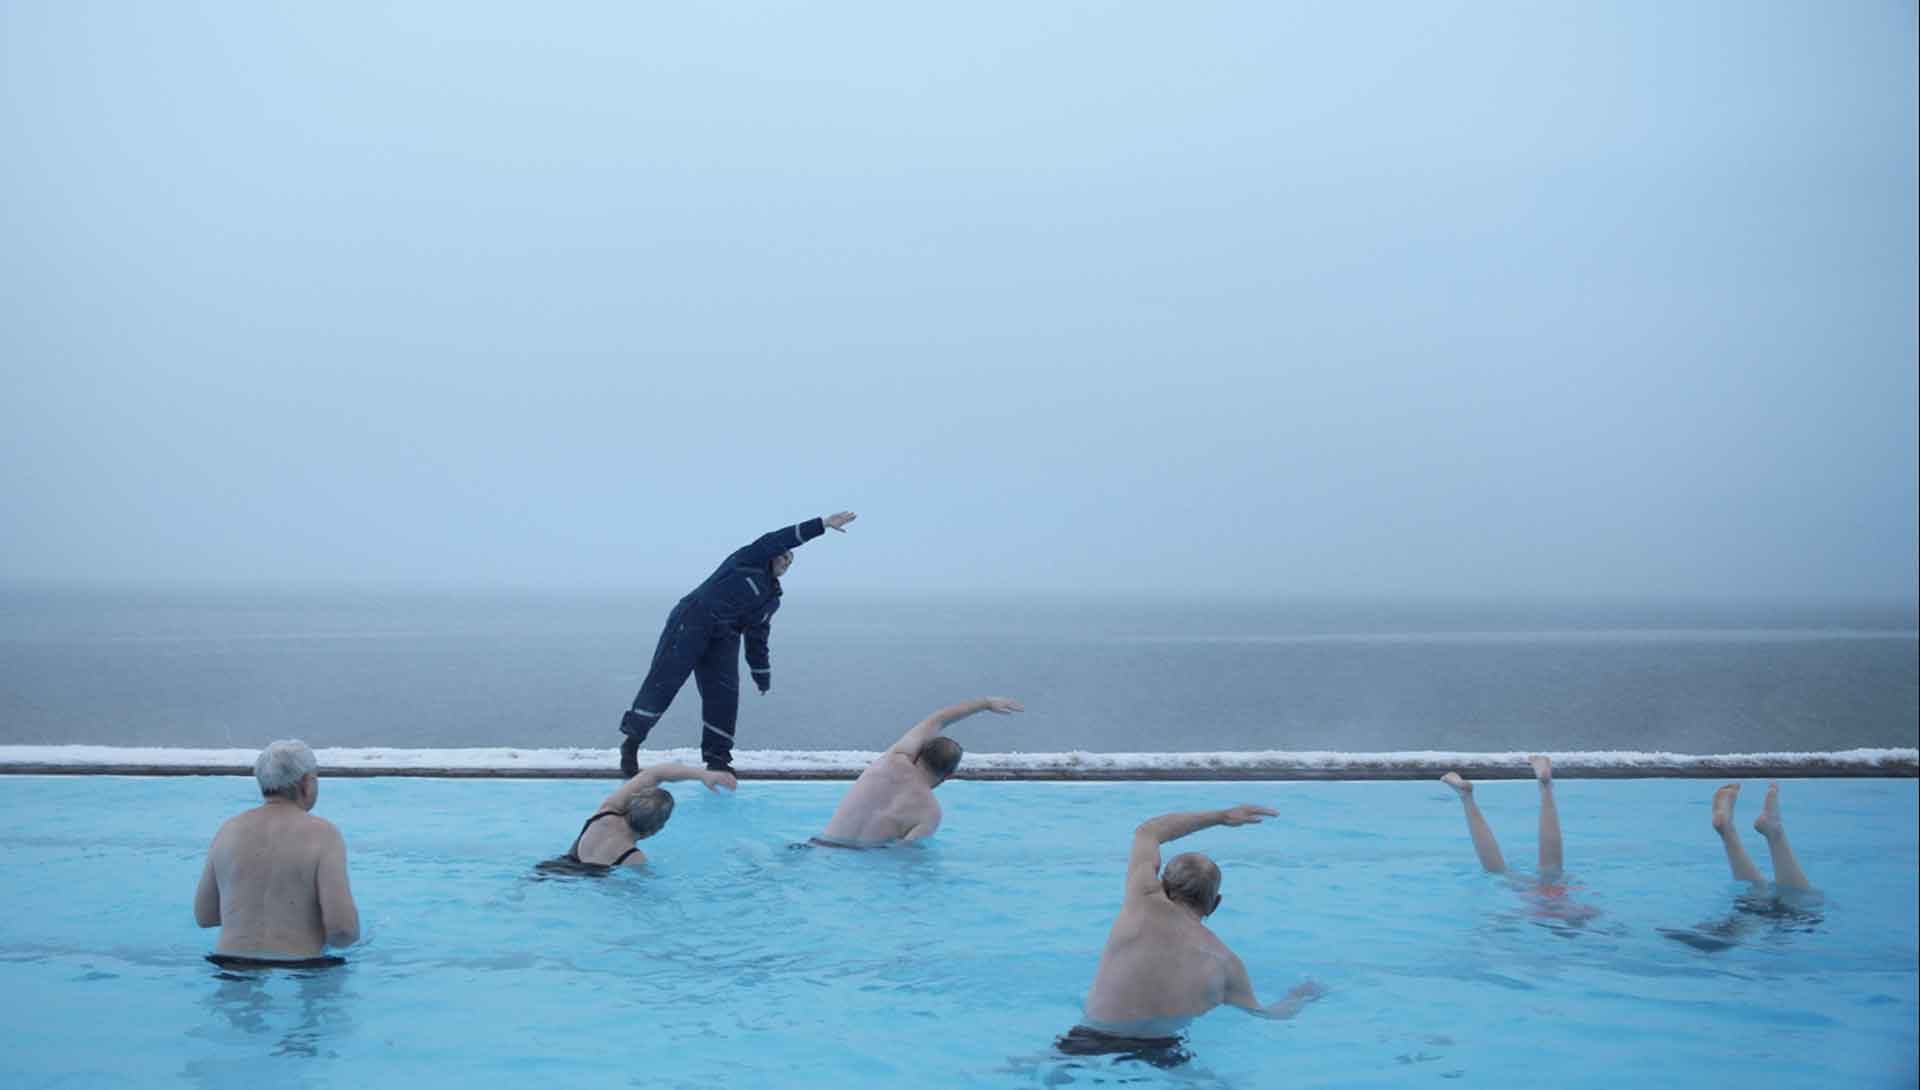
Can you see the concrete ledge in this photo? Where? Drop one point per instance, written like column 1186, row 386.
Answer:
column 1729, row 771
column 593, row 763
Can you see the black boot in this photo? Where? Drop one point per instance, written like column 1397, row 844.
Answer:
column 635, row 726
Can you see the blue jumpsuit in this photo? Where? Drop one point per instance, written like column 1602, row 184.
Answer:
column 702, row 638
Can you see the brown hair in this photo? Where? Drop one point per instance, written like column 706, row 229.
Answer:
column 941, row 756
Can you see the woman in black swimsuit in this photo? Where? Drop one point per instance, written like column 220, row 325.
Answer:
column 642, row 807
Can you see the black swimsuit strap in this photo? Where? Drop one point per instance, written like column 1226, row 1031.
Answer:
column 623, row 856
column 573, row 853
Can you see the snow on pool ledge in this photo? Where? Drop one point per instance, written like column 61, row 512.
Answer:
column 1074, row 765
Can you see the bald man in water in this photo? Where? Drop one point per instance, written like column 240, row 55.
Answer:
column 1162, row 966
column 893, row 799
column 275, row 880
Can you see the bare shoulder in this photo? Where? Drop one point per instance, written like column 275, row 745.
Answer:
column 1134, row 913
column 1154, row 903
column 234, row 826
column 1212, row 942
column 325, row 830
column 244, row 823
column 1177, row 924
column 889, row 766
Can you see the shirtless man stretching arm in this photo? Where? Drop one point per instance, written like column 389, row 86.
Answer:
column 893, row 799
column 275, row 881
column 1162, row 966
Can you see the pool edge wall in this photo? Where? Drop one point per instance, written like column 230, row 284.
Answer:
column 990, row 775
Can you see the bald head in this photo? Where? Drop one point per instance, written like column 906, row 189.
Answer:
column 1192, row 879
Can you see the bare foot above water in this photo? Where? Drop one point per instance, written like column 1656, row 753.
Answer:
column 1723, row 800
column 1542, row 767
column 1453, row 780
column 1768, row 823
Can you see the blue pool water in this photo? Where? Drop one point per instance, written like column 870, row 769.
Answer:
column 734, row 960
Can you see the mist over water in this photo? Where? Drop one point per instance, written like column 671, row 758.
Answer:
column 1485, row 299
column 544, row 669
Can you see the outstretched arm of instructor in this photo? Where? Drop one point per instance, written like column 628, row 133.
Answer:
column 774, row 542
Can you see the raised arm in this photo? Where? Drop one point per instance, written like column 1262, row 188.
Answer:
column 930, row 727
column 339, row 916
column 1239, row 993
column 669, row 772
column 1143, row 863
column 771, row 544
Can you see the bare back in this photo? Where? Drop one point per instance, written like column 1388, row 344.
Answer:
column 890, row 801
column 1161, row 967
column 275, row 882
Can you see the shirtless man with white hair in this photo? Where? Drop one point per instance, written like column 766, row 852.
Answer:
column 893, row 799
column 1162, row 966
column 275, row 882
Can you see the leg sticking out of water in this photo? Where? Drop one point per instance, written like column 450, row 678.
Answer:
column 1751, row 910
column 1737, row 857
column 1786, row 869
column 1550, row 853
column 1484, row 845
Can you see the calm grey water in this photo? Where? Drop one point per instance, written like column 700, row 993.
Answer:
column 553, row 669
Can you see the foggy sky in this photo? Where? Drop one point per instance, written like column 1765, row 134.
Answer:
column 1388, row 298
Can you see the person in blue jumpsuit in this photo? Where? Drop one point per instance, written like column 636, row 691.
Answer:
column 702, row 638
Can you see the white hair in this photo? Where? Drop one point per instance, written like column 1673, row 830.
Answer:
column 284, row 764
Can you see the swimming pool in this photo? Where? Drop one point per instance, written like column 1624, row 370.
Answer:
column 735, row 960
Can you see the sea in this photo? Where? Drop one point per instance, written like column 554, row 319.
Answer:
column 1123, row 672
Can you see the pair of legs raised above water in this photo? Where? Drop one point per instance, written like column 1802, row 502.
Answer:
column 1787, row 873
